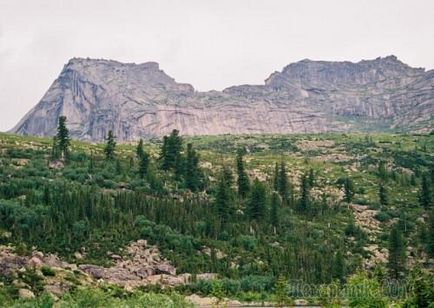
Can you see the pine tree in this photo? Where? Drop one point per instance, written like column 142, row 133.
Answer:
column 257, row 203
column 275, row 210
column 425, row 197
column 382, row 193
column 110, row 146
column 281, row 292
column 91, row 164
column 228, row 176
column 55, row 153
column 304, row 202
column 397, row 256
column 139, row 150
column 243, row 180
column 382, row 171
column 311, row 178
column 143, row 164
column 170, row 154
column 348, row 190
column 62, row 141
column 430, row 235
column 283, row 187
column 224, row 196
column 165, row 163
column 193, row 174
column 339, row 266
column 118, row 166
column 276, row 178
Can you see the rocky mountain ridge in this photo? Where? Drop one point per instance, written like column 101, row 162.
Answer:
column 141, row 101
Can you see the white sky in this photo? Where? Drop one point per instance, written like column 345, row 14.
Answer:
column 210, row 44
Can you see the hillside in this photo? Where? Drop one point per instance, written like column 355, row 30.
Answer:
column 314, row 208
column 142, row 101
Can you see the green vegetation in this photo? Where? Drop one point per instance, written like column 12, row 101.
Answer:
column 282, row 206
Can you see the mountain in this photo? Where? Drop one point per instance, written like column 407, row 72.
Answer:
column 140, row 100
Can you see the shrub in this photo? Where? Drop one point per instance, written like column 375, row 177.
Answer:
column 48, row 271
column 382, row 216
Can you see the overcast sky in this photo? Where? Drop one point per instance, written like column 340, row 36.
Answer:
column 210, row 44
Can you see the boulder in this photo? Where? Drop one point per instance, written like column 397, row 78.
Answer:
column 165, row 268
column 35, row 262
column 25, row 294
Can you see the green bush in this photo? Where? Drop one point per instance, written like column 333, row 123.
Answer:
column 48, row 271
column 382, row 216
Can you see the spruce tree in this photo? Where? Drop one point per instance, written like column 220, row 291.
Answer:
column 304, row 202
column 257, row 202
column 311, row 178
column 193, row 174
column 281, row 292
column 339, row 266
column 110, row 146
column 275, row 210
column 425, row 197
column 283, row 186
column 165, row 164
column 224, row 197
column 143, row 164
column 276, row 178
column 170, row 154
column 382, row 193
column 348, row 190
column 382, row 171
column 242, row 180
column 139, row 150
column 430, row 235
column 396, row 262
column 62, row 141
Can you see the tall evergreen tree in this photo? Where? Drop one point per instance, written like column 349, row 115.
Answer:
column 275, row 210
column 281, row 290
column 382, row 193
column 396, row 263
column 170, row 154
column 304, row 202
column 339, row 266
column 165, row 163
column 193, row 176
column 276, row 178
column 425, row 197
column 110, row 146
column 139, row 150
column 348, row 190
column 311, row 178
column 144, row 164
column 242, row 180
column 283, row 185
column 430, row 235
column 257, row 203
column 224, row 197
column 382, row 171
column 62, row 141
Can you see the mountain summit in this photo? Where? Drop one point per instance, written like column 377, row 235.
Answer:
column 142, row 101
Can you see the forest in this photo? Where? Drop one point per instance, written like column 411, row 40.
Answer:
column 331, row 210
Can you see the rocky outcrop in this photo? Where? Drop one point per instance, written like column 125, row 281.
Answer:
column 141, row 101
column 141, row 264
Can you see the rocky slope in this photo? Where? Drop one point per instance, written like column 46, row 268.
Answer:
column 140, row 100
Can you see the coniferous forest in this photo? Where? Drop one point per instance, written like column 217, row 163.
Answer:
column 263, row 213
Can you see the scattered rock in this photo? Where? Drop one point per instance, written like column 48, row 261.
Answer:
column 35, row 262
column 56, row 164
column 25, row 294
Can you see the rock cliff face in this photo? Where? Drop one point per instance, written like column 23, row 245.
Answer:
column 141, row 101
